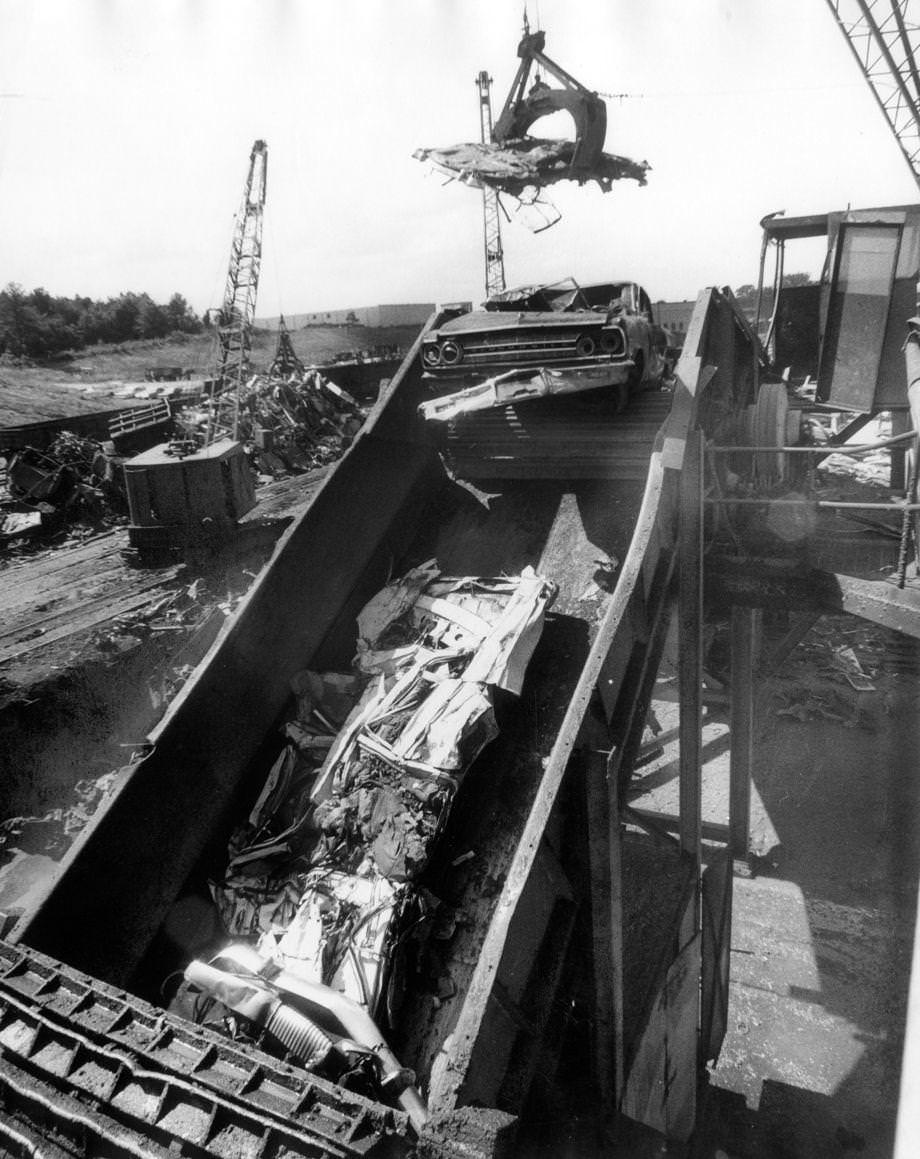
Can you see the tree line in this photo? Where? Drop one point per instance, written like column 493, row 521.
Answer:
column 39, row 325
column 747, row 294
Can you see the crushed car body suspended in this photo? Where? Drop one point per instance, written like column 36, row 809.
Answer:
column 517, row 164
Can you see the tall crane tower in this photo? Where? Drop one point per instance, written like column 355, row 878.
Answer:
column 884, row 40
column 495, row 258
column 239, row 306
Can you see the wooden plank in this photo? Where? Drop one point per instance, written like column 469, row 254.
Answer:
column 745, row 632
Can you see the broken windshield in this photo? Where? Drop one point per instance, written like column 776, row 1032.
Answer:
column 556, row 296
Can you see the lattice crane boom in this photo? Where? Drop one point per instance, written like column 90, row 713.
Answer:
column 239, row 305
column 492, row 229
column 884, row 38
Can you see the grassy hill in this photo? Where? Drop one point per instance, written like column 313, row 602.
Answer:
column 82, row 382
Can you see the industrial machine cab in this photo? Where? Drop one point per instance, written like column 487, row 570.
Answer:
column 847, row 332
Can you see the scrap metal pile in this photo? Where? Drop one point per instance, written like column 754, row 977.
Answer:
column 75, row 479
column 324, row 874
column 293, row 423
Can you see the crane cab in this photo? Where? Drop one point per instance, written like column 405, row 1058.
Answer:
column 847, row 332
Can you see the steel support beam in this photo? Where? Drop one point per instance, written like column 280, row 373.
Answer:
column 771, row 583
column 606, row 919
column 745, row 633
column 690, row 645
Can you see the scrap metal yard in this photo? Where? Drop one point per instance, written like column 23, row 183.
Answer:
column 483, row 725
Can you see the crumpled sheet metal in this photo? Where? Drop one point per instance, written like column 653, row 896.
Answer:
column 498, row 619
column 516, row 386
column 249, row 905
column 325, row 866
column 339, row 934
column 526, row 162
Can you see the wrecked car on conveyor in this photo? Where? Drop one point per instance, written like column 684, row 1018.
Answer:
column 556, row 325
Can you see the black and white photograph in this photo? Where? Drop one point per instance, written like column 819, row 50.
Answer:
column 459, row 579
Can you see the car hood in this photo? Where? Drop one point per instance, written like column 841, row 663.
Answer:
column 479, row 321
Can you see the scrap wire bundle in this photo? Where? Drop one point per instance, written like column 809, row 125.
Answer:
column 324, row 871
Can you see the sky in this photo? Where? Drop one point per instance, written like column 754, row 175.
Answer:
column 126, row 128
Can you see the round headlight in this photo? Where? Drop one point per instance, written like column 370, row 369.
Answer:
column 431, row 355
column 585, row 346
column 451, row 353
column 612, row 342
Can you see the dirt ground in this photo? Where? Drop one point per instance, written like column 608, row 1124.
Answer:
column 84, row 382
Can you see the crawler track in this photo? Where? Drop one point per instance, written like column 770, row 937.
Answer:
column 116, row 1076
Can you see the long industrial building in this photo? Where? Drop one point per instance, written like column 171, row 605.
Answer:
column 390, row 314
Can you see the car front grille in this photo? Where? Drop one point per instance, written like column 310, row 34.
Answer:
column 497, row 350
